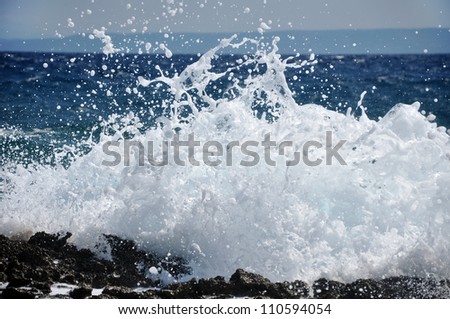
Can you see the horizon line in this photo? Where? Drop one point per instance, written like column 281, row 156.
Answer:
column 230, row 32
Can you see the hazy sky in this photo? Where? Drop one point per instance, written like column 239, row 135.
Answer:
column 49, row 18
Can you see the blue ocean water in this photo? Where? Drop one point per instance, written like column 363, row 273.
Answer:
column 383, row 213
column 57, row 99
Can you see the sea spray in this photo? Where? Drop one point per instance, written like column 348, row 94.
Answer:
column 384, row 213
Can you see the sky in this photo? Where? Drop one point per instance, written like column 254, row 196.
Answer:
column 28, row 19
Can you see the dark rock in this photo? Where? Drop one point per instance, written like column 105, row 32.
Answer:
column 9, row 248
column 389, row 288
column 183, row 290
column 69, row 279
column 49, row 241
column 204, row 288
column 244, row 283
column 16, row 278
column 288, row 290
column 363, row 289
column 126, row 257
column 20, row 274
column 81, row 293
column 99, row 281
column 33, row 256
column 3, row 267
column 412, row 287
column 121, row 293
column 125, row 260
column 214, row 287
column 102, row 297
column 327, row 289
column 31, row 267
column 44, row 287
column 19, row 293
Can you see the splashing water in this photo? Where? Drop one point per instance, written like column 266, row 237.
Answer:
column 383, row 213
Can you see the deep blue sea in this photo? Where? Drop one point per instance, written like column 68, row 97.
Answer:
column 385, row 212
column 57, row 98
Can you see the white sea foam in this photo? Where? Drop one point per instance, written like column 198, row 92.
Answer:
column 384, row 213
column 167, row 52
column 108, row 47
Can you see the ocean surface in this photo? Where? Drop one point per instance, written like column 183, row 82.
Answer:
column 384, row 212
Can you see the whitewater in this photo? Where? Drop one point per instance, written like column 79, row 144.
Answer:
column 383, row 213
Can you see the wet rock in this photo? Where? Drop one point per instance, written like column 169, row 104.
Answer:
column 204, row 288
column 413, row 287
column 49, row 241
column 288, row 290
column 248, row 284
column 181, row 290
column 127, row 256
column 3, row 267
column 99, row 281
column 33, row 256
column 16, row 276
column 327, row 289
column 214, row 287
column 20, row 293
column 44, row 287
column 30, row 267
column 363, row 289
column 81, row 293
column 244, row 283
column 390, row 288
column 9, row 248
column 121, row 293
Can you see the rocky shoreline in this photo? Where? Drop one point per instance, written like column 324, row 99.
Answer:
column 45, row 265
